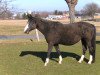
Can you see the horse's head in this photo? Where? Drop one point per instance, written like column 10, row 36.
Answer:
column 31, row 24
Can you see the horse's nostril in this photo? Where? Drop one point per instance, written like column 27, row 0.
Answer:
column 26, row 32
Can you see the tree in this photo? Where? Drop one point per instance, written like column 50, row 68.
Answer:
column 56, row 12
column 98, row 10
column 5, row 11
column 71, row 4
column 90, row 10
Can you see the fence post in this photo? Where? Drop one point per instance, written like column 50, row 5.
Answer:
column 37, row 35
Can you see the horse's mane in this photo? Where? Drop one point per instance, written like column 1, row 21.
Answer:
column 46, row 21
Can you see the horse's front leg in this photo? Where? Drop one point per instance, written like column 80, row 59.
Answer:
column 50, row 46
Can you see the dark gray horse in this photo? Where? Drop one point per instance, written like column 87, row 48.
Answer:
column 66, row 34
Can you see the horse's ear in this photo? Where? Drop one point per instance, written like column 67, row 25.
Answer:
column 29, row 14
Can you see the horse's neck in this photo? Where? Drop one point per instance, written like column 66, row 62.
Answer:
column 42, row 26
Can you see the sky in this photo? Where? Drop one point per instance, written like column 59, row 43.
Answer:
column 49, row 5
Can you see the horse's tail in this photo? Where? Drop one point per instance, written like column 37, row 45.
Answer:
column 93, row 42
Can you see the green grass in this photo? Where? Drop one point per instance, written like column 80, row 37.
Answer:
column 25, row 58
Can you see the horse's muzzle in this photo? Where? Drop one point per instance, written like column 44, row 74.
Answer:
column 26, row 32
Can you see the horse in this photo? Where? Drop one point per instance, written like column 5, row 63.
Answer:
column 57, row 33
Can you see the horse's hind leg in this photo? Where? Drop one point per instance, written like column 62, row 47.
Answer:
column 84, row 48
column 58, row 51
column 92, row 52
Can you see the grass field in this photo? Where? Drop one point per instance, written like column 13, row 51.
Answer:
column 25, row 57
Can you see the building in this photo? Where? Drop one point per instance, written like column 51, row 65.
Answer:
column 57, row 17
column 97, row 16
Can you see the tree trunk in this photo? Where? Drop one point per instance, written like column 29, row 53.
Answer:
column 71, row 13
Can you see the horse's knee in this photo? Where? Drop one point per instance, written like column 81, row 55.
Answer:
column 84, row 51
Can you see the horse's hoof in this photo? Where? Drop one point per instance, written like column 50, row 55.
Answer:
column 89, row 63
column 45, row 64
column 79, row 62
column 60, row 62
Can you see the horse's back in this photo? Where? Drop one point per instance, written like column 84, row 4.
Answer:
column 73, row 33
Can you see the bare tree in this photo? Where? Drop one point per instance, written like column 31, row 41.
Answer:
column 5, row 11
column 90, row 9
column 98, row 10
column 71, row 4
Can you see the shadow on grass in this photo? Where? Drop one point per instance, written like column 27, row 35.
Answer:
column 97, row 42
column 53, row 55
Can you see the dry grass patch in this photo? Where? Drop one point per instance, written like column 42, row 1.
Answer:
column 13, row 22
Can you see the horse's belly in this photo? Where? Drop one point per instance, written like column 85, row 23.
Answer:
column 70, row 41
